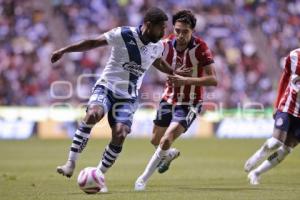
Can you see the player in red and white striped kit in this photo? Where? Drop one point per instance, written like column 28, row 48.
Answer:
column 183, row 95
column 286, row 134
column 196, row 57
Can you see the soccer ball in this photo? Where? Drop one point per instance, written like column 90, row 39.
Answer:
column 90, row 181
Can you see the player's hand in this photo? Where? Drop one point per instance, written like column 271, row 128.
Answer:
column 56, row 55
column 183, row 71
column 177, row 80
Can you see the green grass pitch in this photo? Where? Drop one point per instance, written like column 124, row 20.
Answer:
column 207, row 169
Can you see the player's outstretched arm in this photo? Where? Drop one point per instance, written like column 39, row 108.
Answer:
column 163, row 66
column 84, row 45
column 209, row 79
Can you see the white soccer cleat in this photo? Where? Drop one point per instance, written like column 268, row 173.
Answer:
column 66, row 169
column 140, row 185
column 164, row 166
column 254, row 178
column 104, row 188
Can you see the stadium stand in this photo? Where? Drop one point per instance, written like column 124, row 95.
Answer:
column 239, row 34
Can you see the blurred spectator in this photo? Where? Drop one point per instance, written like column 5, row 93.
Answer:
column 26, row 73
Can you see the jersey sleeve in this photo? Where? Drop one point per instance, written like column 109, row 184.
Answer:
column 204, row 55
column 113, row 36
column 160, row 49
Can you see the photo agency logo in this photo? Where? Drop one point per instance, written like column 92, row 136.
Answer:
column 64, row 92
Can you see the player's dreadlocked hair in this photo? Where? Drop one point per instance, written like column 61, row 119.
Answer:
column 155, row 16
column 185, row 16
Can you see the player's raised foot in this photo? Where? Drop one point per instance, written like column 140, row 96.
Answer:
column 66, row 169
column 165, row 165
column 254, row 178
column 140, row 185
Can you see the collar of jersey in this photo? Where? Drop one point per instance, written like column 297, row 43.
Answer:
column 139, row 32
column 189, row 46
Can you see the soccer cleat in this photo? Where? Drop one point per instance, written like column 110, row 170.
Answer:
column 140, row 185
column 66, row 169
column 104, row 188
column 165, row 165
column 254, row 178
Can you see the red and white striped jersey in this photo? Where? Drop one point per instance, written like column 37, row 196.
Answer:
column 288, row 99
column 196, row 56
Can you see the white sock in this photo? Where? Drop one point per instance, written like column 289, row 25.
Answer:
column 73, row 156
column 170, row 153
column 274, row 159
column 157, row 157
column 268, row 147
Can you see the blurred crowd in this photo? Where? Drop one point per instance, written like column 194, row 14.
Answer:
column 28, row 78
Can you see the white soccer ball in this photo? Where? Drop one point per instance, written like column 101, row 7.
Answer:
column 90, row 181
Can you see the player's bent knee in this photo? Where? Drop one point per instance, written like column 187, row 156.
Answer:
column 121, row 135
column 154, row 142
column 165, row 143
column 94, row 114
column 158, row 133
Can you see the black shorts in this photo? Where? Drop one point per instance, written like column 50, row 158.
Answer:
column 288, row 123
column 119, row 110
column 184, row 114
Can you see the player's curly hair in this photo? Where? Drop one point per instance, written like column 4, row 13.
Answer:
column 155, row 16
column 185, row 16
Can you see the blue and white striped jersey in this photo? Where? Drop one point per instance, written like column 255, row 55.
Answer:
column 129, row 60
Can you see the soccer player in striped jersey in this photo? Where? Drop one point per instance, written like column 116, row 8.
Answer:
column 286, row 133
column 183, row 95
column 134, row 50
